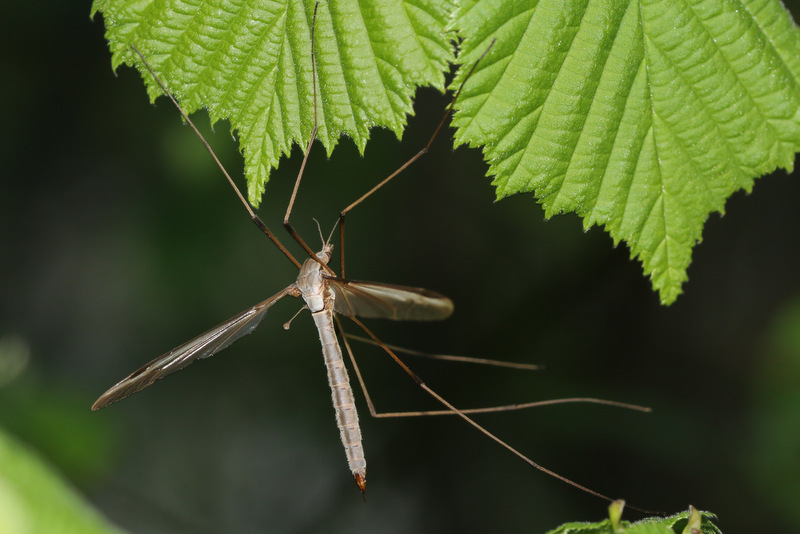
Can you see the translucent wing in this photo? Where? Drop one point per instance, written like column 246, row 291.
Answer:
column 387, row 301
column 202, row 346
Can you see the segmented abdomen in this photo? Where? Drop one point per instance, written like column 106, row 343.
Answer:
column 342, row 396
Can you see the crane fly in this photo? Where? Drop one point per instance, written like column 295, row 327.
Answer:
column 325, row 295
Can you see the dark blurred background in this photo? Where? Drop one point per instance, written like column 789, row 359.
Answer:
column 120, row 240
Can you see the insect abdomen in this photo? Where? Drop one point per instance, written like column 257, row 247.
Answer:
column 342, row 396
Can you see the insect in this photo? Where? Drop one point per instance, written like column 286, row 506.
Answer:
column 325, row 295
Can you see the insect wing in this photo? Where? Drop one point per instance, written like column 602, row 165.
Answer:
column 203, row 346
column 387, row 301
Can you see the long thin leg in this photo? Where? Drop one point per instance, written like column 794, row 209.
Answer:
column 356, row 369
column 256, row 219
column 513, row 407
column 311, row 139
column 463, row 415
column 482, row 361
column 408, row 163
column 448, row 357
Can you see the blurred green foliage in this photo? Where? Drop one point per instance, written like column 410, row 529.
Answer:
column 34, row 497
column 772, row 457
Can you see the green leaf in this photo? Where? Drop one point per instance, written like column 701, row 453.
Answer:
column 643, row 117
column 694, row 523
column 250, row 61
column 674, row 524
column 33, row 498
